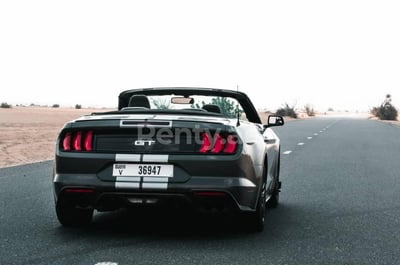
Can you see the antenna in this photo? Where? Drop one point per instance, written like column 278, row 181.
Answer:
column 237, row 109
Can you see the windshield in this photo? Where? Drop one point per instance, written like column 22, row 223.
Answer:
column 225, row 106
column 189, row 101
column 212, row 105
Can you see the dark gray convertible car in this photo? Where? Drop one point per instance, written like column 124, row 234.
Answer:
column 198, row 147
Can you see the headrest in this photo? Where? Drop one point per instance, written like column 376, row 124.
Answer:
column 212, row 108
column 139, row 101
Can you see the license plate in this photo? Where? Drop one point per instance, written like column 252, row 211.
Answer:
column 143, row 170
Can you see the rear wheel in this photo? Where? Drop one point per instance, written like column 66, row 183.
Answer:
column 73, row 217
column 273, row 201
column 256, row 219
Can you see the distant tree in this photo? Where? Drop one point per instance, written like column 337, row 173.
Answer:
column 5, row 105
column 78, row 106
column 287, row 110
column 386, row 111
column 330, row 109
column 56, row 105
column 198, row 105
column 374, row 111
column 228, row 107
column 309, row 110
column 161, row 103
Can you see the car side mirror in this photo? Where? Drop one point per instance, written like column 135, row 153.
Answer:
column 274, row 120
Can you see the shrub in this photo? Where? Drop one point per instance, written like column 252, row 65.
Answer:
column 5, row 105
column 374, row 111
column 161, row 103
column 56, row 105
column 78, row 106
column 286, row 110
column 228, row 107
column 309, row 110
column 386, row 111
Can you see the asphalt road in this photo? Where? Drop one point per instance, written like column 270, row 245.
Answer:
column 339, row 205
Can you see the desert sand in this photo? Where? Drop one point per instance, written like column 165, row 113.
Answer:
column 28, row 134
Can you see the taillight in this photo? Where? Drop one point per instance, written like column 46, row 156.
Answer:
column 206, row 143
column 78, row 141
column 230, row 146
column 87, row 143
column 66, row 143
column 218, row 144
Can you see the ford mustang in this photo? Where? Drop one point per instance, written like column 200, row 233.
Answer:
column 198, row 147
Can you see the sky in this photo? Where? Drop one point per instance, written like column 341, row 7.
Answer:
column 337, row 54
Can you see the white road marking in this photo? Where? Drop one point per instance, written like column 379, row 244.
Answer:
column 321, row 131
column 309, row 138
column 300, row 144
column 287, row 152
column 106, row 263
column 315, row 134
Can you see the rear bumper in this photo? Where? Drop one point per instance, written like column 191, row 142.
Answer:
column 88, row 191
column 233, row 175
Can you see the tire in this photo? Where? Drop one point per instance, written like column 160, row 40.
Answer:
column 256, row 220
column 273, row 201
column 70, row 216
